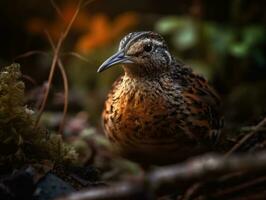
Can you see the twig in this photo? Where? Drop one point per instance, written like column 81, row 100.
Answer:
column 59, row 12
column 191, row 191
column 65, row 83
column 54, row 61
column 30, row 53
column 241, row 187
column 77, row 55
column 246, row 137
column 255, row 196
column 30, row 79
column 58, row 61
column 175, row 177
column 87, row 3
column 66, row 95
column 251, row 128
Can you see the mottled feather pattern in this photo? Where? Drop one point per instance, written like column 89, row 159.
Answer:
column 159, row 111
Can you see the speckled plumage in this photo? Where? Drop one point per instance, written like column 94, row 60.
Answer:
column 159, row 111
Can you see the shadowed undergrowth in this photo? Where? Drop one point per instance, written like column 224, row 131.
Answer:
column 20, row 141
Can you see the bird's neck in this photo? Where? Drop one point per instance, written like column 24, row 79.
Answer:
column 133, row 83
column 142, row 73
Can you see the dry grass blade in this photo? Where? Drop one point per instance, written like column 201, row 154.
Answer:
column 66, row 94
column 65, row 83
column 55, row 60
column 30, row 53
column 241, row 187
column 192, row 190
column 48, row 84
column 87, row 3
column 77, row 55
column 30, row 79
column 57, row 9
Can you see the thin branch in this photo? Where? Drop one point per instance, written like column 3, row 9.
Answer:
column 65, row 83
column 77, row 55
column 65, row 33
column 251, row 128
column 66, row 95
column 58, row 10
column 87, row 3
column 30, row 53
column 246, row 137
column 30, row 79
column 192, row 190
column 175, row 177
column 53, row 65
column 54, row 61
column 241, row 187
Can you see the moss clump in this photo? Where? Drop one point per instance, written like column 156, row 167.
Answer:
column 20, row 141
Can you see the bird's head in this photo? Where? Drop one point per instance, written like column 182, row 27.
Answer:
column 141, row 54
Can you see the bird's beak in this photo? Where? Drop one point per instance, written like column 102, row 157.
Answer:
column 117, row 58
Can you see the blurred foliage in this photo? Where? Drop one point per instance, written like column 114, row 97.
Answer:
column 95, row 30
column 213, row 42
column 231, row 56
column 20, row 141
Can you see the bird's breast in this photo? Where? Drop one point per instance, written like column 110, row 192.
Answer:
column 136, row 113
column 141, row 120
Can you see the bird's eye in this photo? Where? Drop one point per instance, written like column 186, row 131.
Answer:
column 148, row 47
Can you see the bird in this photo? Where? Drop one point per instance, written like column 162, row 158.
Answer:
column 159, row 111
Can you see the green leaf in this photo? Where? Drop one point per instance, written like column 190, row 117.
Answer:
column 168, row 24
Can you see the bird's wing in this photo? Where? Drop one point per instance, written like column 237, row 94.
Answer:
column 201, row 105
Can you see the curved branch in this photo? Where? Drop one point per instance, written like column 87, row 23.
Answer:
column 54, row 61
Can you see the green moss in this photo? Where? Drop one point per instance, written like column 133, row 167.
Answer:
column 20, row 141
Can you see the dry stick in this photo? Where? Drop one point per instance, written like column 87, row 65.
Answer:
column 175, row 177
column 63, row 73
column 30, row 79
column 246, row 137
column 256, row 196
column 30, row 53
column 66, row 95
column 55, row 58
column 192, row 190
column 65, row 83
column 77, row 55
column 59, row 62
column 87, row 3
column 58, row 10
column 241, row 187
